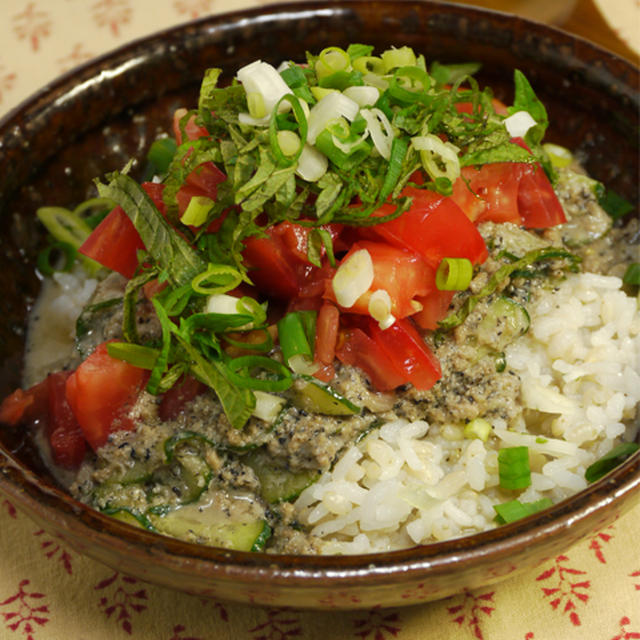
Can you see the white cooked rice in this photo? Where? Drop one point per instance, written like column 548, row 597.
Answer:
column 410, row 483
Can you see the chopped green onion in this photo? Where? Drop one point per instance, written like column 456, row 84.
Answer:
column 136, row 354
column 320, row 92
column 197, row 211
column 268, row 406
column 397, row 154
column 454, row 274
column 409, row 84
column 56, row 249
column 402, row 57
column 262, row 78
column 216, row 279
column 161, row 154
column 515, row 510
column 282, row 156
column 238, row 373
column 380, row 130
column 370, row 65
column 100, row 207
column 513, row 467
column 614, row 204
column 255, row 104
column 331, row 60
column 364, row 95
column 439, row 159
column 478, row 428
column 632, row 274
column 610, row 461
column 333, row 106
column 560, row 156
column 64, row 225
column 293, row 336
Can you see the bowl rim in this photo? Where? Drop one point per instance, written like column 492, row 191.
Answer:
column 24, row 486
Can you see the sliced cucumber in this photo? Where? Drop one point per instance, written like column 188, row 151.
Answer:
column 211, row 526
column 504, row 321
column 315, row 396
column 278, row 485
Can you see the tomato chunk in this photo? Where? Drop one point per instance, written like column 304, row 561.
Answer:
column 402, row 273
column 435, row 227
column 390, row 357
column 115, row 242
column 409, row 353
column 175, row 399
column 356, row 348
column 490, row 192
column 537, row 202
column 101, row 391
column 68, row 446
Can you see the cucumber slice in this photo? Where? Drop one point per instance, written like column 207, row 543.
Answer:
column 211, row 526
column 315, row 396
column 278, row 485
column 505, row 321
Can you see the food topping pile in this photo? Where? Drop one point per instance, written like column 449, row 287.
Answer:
column 309, row 327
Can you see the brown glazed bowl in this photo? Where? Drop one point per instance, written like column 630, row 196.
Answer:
column 82, row 125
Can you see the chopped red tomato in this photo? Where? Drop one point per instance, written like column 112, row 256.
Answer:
column 278, row 263
column 390, row 357
column 434, row 308
column 356, row 348
column 22, row 406
column 409, row 353
column 435, row 227
column 68, row 445
column 101, row 391
column 403, row 274
column 537, row 201
column 115, row 242
column 490, row 192
column 201, row 181
column 175, row 399
column 327, row 325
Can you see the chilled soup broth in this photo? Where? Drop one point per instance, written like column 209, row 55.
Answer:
column 448, row 342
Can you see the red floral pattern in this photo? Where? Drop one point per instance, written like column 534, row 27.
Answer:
column 23, row 613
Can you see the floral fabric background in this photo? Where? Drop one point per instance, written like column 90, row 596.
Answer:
column 49, row 592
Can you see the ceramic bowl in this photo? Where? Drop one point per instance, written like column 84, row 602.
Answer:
column 82, row 125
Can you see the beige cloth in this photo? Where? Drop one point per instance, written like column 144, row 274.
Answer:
column 49, row 592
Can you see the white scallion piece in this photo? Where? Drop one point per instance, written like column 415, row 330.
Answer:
column 380, row 129
column 261, row 78
column 519, row 123
column 380, row 308
column 268, row 406
column 362, row 94
column 312, row 164
column 333, row 106
column 439, row 159
column 353, row 278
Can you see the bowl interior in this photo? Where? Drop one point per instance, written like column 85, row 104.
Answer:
column 94, row 119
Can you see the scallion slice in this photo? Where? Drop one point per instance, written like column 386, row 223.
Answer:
column 51, row 253
column 216, row 279
column 293, row 336
column 454, row 274
column 515, row 510
column 136, row 354
column 278, row 377
column 513, row 467
column 610, row 461
column 632, row 274
column 197, row 211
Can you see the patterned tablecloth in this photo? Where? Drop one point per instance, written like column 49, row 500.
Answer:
column 49, row 592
